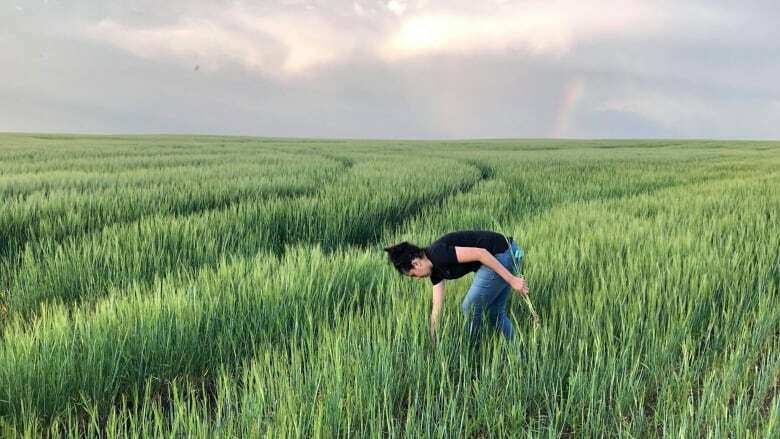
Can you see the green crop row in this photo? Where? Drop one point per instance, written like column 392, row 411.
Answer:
column 217, row 316
column 72, row 213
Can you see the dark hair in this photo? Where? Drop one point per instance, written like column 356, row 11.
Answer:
column 401, row 255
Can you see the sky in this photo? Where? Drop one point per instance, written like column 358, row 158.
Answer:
column 416, row 69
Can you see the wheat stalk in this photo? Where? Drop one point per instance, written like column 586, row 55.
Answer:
column 534, row 315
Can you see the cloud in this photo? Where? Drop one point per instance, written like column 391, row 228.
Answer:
column 288, row 41
column 539, row 27
column 191, row 40
column 397, row 7
column 394, row 69
column 276, row 44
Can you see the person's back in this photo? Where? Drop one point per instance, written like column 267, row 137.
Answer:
column 442, row 252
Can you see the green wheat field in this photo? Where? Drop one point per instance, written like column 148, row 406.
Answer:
column 203, row 286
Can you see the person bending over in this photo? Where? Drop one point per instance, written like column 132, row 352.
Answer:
column 455, row 254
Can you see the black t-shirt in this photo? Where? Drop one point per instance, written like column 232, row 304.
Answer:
column 442, row 252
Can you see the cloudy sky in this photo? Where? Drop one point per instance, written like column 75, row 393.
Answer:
column 425, row 69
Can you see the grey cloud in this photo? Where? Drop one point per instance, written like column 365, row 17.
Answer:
column 703, row 77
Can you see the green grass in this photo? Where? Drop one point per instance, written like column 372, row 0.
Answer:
column 237, row 287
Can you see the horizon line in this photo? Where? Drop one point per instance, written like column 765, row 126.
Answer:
column 452, row 139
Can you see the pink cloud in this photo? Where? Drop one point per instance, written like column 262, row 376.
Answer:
column 286, row 43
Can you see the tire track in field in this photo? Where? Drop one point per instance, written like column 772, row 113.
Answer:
column 538, row 207
column 422, row 206
column 10, row 255
column 12, row 251
column 529, row 211
column 292, row 193
column 24, row 229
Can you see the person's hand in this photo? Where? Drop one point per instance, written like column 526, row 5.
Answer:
column 520, row 285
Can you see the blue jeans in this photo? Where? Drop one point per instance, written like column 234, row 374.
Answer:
column 490, row 292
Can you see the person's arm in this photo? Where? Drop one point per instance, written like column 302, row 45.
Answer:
column 438, row 301
column 477, row 254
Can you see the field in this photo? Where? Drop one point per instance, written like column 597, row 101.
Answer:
column 200, row 286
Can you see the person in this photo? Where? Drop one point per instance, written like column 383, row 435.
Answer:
column 456, row 254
